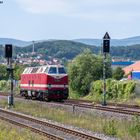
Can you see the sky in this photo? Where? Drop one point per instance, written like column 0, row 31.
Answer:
column 69, row 19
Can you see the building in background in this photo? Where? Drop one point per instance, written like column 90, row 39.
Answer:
column 133, row 71
column 121, row 63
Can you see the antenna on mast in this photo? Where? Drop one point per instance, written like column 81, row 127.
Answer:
column 33, row 50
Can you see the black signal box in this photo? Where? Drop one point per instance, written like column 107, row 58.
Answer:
column 106, row 43
column 8, row 51
column 106, row 46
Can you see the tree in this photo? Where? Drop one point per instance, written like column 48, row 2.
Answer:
column 4, row 75
column 118, row 73
column 18, row 69
column 84, row 69
column 3, row 72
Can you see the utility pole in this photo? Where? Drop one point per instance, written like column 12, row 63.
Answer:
column 106, row 49
column 8, row 55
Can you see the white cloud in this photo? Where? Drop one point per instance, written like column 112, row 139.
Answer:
column 44, row 6
column 87, row 9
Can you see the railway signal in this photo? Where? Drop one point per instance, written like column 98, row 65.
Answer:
column 8, row 55
column 8, row 51
column 106, row 49
column 106, row 43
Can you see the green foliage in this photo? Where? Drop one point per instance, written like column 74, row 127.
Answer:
column 121, row 90
column 3, row 72
column 95, row 91
column 74, row 94
column 129, row 89
column 85, row 68
column 109, row 128
column 3, row 85
column 18, row 69
column 118, row 73
column 134, row 127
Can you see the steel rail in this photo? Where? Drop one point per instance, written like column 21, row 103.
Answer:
column 105, row 108
column 133, row 106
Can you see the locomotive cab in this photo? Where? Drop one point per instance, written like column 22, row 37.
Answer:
column 57, row 82
column 56, row 70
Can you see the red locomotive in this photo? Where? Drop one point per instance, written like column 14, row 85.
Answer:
column 48, row 82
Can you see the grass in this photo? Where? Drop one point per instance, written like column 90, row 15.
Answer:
column 12, row 132
column 125, row 130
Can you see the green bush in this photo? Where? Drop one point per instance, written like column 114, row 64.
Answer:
column 96, row 89
column 118, row 73
column 114, row 89
column 3, row 85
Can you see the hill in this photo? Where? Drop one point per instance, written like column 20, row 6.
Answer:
column 58, row 48
column 15, row 42
column 114, row 42
column 69, row 49
column 127, row 52
column 95, row 42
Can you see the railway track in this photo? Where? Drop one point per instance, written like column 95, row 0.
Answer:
column 111, row 107
column 116, row 109
column 44, row 128
column 133, row 106
column 108, row 104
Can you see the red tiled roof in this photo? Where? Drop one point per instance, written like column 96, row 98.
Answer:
column 133, row 67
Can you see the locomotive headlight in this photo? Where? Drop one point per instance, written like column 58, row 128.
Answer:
column 64, row 85
column 49, row 85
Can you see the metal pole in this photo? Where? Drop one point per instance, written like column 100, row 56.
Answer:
column 106, row 49
column 104, row 79
column 10, row 69
column 33, row 47
column 11, row 76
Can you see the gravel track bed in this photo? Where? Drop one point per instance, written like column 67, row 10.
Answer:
column 80, row 110
column 123, row 108
column 88, row 111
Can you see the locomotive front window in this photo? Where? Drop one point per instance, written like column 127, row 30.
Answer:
column 52, row 70
column 61, row 71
